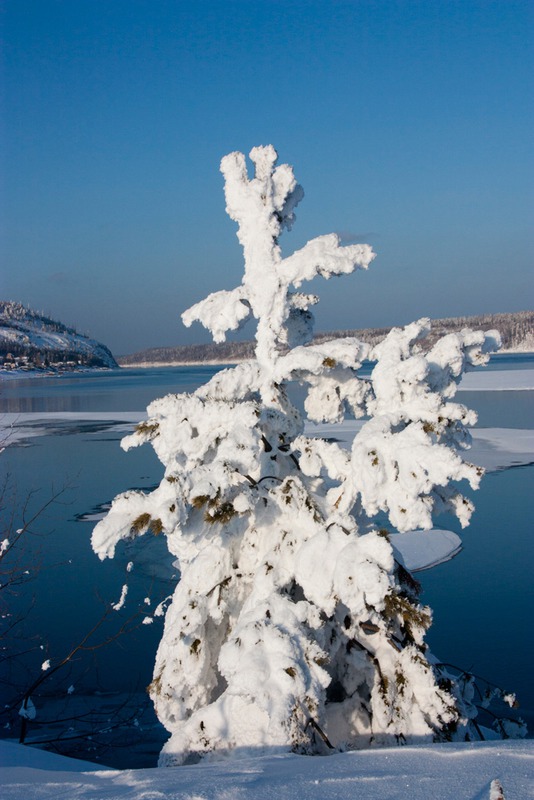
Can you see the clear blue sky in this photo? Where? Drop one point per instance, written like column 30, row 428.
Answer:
column 409, row 125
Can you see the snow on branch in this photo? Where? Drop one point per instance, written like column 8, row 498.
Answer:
column 262, row 206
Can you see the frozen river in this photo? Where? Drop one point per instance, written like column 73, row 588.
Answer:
column 64, row 438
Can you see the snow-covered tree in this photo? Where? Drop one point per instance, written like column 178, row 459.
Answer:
column 293, row 625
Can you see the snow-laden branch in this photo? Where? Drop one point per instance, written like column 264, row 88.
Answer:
column 293, row 626
column 262, row 206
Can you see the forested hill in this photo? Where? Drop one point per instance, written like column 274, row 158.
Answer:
column 30, row 341
column 516, row 329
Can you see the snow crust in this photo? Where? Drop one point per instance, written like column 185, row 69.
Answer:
column 30, row 760
column 441, row 772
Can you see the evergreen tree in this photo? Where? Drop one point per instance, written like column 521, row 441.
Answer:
column 293, row 625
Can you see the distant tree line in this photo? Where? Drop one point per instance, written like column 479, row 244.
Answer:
column 11, row 313
column 516, row 329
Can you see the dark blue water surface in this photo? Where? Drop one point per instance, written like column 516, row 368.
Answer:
column 133, row 389
column 110, row 390
column 482, row 599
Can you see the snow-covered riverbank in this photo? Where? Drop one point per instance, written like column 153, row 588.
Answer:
column 440, row 772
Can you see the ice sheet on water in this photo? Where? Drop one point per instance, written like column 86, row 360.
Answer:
column 17, row 428
column 419, row 550
column 492, row 448
column 498, row 380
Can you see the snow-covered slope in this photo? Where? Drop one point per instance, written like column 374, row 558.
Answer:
column 441, row 772
column 29, row 340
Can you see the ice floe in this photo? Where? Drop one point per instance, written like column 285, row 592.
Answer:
column 418, row 550
column 20, row 427
column 511, row 380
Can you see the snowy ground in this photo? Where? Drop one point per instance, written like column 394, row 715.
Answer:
column 440, row 772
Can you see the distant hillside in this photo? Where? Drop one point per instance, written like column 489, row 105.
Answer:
column 517, row 331
column 29, row 341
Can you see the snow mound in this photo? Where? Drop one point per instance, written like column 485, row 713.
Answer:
column 441, row 772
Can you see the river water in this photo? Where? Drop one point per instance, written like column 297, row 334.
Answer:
column 482, row 600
